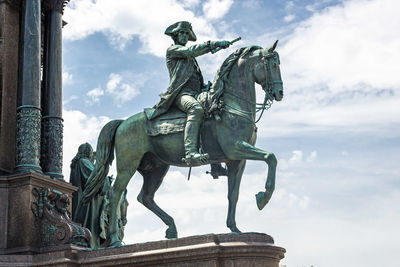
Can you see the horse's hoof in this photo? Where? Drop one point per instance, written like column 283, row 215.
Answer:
column 171, row 233
column 235, row 230
column 261, row 200
column 115, row 244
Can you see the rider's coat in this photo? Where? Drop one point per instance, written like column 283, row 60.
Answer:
column 181, row 64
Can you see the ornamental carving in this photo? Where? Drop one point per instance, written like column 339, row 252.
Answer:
column 52, row 145
column 28, row 136
column 53, row 219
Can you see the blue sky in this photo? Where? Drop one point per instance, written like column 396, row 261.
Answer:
column 336, row 133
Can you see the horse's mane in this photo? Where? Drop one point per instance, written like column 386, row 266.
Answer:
column 226, row 67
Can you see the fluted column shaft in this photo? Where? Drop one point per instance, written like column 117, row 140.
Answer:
column 28, row 110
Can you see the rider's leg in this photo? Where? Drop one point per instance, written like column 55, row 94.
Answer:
column 195, row 114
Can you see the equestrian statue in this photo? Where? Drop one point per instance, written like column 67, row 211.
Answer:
column 193, row 124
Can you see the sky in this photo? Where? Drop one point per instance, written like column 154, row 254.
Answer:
column 336, row 133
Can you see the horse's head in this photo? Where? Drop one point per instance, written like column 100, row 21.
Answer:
column 268, row 74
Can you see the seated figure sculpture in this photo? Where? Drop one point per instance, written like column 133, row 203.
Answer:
column 186, row 82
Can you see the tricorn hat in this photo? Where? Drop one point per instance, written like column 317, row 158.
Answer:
column 181, row 25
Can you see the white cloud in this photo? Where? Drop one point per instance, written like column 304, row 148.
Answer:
column 216, row 9
column 67, row 78
column 119, row 90
column 311, row 8
column 95, row 94
column 307, row 113
column 190, row 3
column 289, row 5
column 289, row 17
column 312, row 156
column 122, row 20
column 297, row 157
column 287, row 164
column 69, row 99
column 345, row 46
column 339, row 69
column 291, row 200
column 290, row 8
column 113, row 82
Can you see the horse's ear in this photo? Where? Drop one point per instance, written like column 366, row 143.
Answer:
column 272, row 48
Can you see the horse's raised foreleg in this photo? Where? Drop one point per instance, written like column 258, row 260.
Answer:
column 151, row 182
column 244, row 150
column 235, row 172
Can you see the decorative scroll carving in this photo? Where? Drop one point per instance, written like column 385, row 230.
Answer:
column 52, row 146
column 53, row 218
column 28, row 137
column 57, row 5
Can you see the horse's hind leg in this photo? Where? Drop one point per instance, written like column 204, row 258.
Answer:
column 121, row 182
column 235, row 172
column 152, row 180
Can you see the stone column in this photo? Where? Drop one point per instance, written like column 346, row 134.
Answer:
column 9, row 41
column 52, row 122
column 28, row 110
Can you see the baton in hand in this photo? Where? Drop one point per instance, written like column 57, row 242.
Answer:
column 230, row 43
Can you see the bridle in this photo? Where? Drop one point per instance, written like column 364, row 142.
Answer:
column 268, row 90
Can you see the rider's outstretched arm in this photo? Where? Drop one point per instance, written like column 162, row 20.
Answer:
column 179, row 51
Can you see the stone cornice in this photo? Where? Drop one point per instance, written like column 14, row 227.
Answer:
column 57, row 5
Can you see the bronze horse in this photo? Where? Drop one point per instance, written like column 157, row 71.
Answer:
column 230, row 140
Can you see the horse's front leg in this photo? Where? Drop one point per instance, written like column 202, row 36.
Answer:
column 235, row 172
column 244, row 150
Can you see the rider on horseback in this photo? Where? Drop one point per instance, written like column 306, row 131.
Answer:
column 186, row 82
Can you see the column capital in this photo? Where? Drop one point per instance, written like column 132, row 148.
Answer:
column 56, row 5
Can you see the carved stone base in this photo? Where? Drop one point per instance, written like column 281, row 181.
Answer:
column 20, row 228
column 218, row 250
column 53, row 219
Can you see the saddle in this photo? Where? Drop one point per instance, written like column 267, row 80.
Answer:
column 174, row 120
column 171, row 122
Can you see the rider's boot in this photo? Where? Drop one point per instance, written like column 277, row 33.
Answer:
column 217, row 170
column 191, row 137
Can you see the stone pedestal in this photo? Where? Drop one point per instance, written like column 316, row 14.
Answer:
column 19, row 232
column 218, row 250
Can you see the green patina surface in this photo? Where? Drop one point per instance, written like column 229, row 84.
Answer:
column 226, row 123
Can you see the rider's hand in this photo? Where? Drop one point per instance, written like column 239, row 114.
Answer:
column 224, row 44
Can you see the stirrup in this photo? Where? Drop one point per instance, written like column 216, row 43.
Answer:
column 195, row 158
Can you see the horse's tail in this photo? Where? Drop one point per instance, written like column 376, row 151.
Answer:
column 104, row 158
